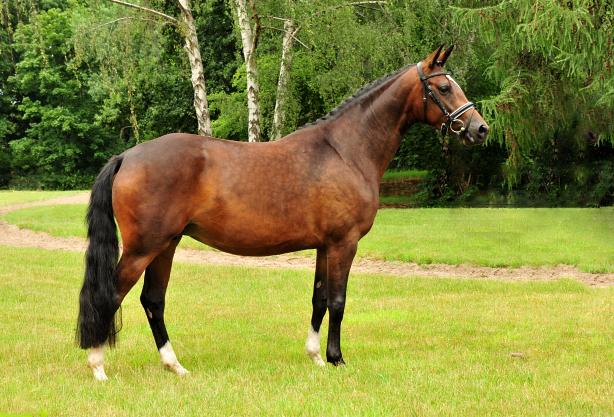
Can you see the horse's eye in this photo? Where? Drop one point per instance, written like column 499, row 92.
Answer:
column 445, row 89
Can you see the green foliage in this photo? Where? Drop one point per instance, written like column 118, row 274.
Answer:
column 80, row 82
column 564, row 173
column 143, row 78
column 231, row 109
column 553, row 61
column 542, row 79
column 62, row 144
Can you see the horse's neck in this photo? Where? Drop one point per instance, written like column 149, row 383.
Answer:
column 371, row 131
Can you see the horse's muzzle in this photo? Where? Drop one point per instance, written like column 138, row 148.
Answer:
column 475, row 135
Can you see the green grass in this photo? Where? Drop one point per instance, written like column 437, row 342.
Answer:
column 17, row 197
column 414, row 346
column 495, row 237
column 62, row 220
column 486, row 237
column 67, row 220
column 412, row 173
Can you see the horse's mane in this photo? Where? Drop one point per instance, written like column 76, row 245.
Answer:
column 358, row 95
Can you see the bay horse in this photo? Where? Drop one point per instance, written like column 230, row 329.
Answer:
column 317, row 188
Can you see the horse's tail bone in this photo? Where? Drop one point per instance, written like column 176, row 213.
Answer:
column 98, row 300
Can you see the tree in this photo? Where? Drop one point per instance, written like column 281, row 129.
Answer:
column 63, row 146
column 553, row 61
column 251, row 36
column 249, row 39
column 188, row 30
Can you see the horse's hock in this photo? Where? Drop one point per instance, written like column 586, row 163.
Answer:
column 399, row 187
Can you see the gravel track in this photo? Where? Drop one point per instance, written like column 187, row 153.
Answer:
column 11, row 235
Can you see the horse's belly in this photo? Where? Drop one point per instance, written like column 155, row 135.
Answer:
column 255, row 236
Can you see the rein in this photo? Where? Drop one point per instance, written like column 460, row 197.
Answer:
column 451, row 118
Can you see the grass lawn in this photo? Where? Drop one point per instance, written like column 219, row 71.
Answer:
column 411, row 173
column 487, row 237
column 414, row 346
column 16, row 197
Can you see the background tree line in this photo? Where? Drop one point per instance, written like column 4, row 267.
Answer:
column 81, row 80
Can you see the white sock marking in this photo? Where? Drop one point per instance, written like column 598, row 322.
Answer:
column 312, row 347
column 95, row 361
column 169, row 359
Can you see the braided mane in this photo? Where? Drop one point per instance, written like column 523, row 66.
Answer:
column 358, row 96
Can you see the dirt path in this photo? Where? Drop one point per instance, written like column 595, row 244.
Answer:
column 11, row 235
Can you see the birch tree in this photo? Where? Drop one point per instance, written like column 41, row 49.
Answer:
column 188, row 31
column 284, row 79
column 249, row 38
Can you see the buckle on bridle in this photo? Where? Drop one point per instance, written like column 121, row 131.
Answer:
column 454, row 117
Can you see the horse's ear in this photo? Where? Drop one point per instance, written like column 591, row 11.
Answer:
column 442, row 59
column 432, row 59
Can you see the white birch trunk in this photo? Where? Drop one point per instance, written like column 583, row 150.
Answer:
column 196, row 65
column 253, row 88
column 284, row 78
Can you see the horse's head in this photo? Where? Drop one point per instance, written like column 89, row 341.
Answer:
column 445, row 106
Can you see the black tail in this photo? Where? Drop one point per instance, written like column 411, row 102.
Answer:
column 98, row 299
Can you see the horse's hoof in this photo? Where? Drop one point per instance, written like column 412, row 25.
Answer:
column 177, row 368
column 318, row 360
column 340, row 362
column 99, row 373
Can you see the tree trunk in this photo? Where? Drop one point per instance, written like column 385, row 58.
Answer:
column 284, row 80
column 196, row 65
column 250, row 42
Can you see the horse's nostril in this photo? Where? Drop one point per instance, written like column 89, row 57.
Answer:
column 483, row 129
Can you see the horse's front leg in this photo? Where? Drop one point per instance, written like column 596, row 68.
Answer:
column 312, row 347
column 339, row 259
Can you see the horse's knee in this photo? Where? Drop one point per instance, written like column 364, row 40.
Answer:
column 336, row 306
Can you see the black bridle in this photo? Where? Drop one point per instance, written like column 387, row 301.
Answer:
column 451, row 118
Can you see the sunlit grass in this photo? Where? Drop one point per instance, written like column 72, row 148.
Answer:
column 17, row 197
column 410, row 173
column 414, row 346
column 486, row 237
column 495, row 237
column 67, row 220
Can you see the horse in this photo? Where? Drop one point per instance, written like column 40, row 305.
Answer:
column 316, row 188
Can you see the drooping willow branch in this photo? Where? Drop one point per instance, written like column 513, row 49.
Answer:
column 145, row 9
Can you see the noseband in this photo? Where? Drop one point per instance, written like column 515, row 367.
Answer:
column 451, row 118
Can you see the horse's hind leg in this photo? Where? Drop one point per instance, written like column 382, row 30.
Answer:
column 312, row 347
column 152, row 298
column 129, row 270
